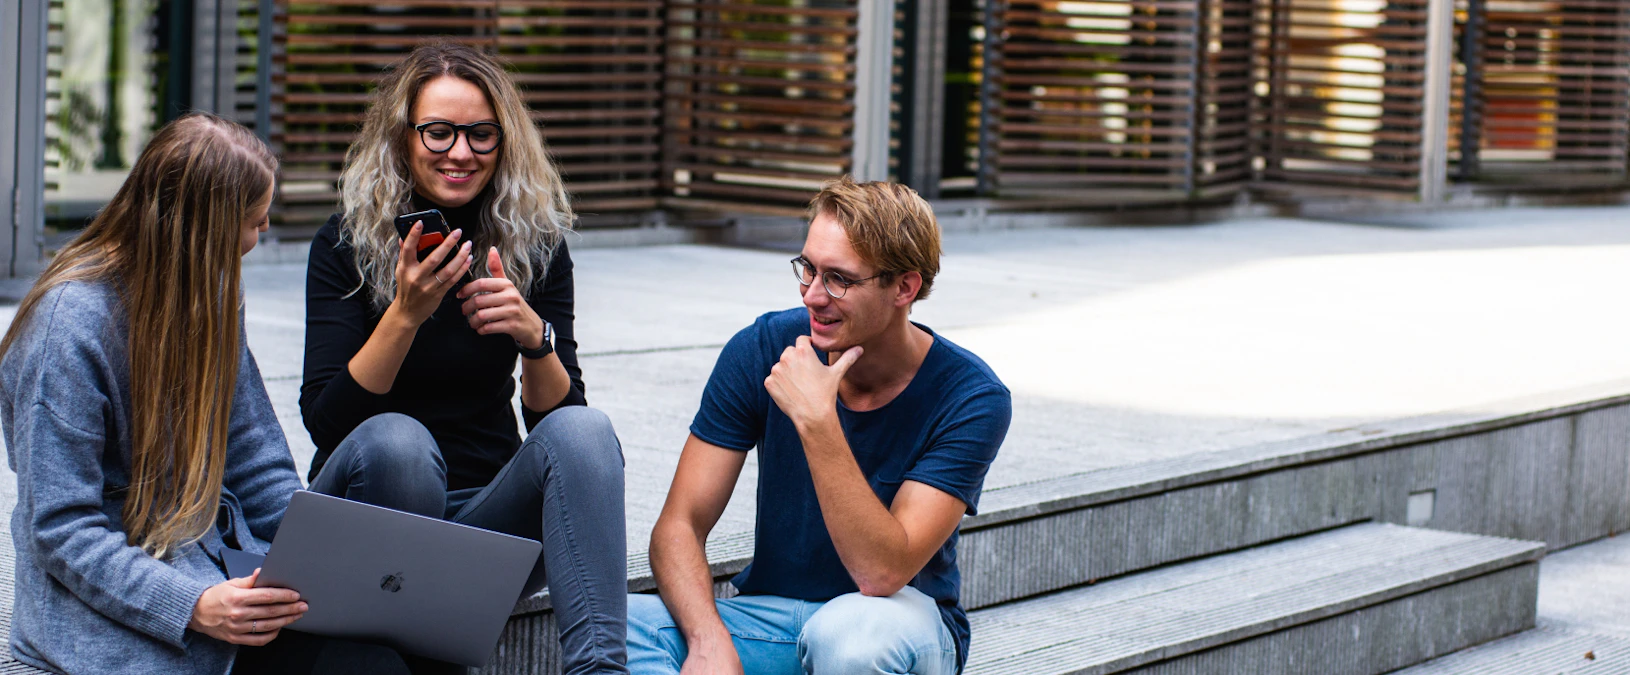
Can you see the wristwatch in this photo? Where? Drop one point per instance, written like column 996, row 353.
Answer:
column 547, row 348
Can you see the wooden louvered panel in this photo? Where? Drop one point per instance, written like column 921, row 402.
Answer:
column 330, row 53
column 1552, row 84
column 1345, row 90
column 760, row 99
column 1099, row 99
column 245, row 78
column 590, row 71
column 1222, row 151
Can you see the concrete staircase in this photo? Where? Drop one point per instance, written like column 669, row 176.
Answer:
column 1547, row 650
column 1357, row 600
column 1308, row 556
column 1363, row 551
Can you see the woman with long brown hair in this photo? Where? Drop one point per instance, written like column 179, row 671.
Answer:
column 409, row 364
column 141, row 433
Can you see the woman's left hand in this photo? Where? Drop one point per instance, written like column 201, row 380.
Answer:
column 494, row 305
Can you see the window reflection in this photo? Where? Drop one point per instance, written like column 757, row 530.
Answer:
column 102, row 100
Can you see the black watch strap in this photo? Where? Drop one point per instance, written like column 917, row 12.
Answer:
column 547, row 348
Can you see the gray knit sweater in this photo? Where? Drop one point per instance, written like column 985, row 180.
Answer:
column 86, row 601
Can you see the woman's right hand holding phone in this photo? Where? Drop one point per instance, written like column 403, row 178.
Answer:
column 420, row 286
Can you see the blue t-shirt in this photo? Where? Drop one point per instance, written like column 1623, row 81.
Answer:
column 943, row 431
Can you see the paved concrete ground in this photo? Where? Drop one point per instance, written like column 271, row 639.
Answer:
column 1120, row 344
column 1583, row 623
column 1587, row 588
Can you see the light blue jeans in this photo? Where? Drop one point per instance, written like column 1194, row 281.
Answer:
column 851, row 634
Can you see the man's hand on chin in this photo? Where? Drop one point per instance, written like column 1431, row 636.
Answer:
column 805, row 389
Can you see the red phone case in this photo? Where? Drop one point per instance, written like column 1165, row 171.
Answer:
column 429, row 241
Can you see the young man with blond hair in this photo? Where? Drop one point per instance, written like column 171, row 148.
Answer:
column 874, row 435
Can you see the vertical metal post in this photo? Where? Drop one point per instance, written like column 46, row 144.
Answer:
column 922, row 108
column 10, row 70
column 874, row 70
column 1199, row 84
column 1440, row 35
column 178, row 77
column 263, row 70
column 214, row 56
column 1471, row 97
column 22, row 137
column 1270, row 140
column 989, row 89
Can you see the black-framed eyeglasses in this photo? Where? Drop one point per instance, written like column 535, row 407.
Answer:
column 835, row 285
column 439, row 137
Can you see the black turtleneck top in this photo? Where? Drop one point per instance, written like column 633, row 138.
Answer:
column 457, row 383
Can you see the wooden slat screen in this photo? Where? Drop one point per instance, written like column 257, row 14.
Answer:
column 1223, row 110
column 589, row 70
column 1098, row 100
column 1551, row 98
column 592, row 72
column 1345, row 93
column 245, row 68
column 759, row 100
column 330, row 53
column 55, row 113
column 749, row 105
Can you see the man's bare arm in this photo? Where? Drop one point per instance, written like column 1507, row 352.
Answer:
column 701, row 489
column 881, row 548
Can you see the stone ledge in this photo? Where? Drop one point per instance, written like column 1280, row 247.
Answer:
column 1354, row 575
column 1118, row 483
column 1013, row 505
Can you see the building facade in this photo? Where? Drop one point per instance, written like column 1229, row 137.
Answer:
column 747, row 106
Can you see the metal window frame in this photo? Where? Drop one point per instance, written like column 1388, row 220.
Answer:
column 1440, row 40
column 874, row 67
column 214, row 56
column 922, row 96
column 22, row 128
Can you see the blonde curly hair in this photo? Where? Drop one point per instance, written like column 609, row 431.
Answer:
column 528, row 213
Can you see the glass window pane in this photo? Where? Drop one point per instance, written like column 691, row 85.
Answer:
column 102, row 100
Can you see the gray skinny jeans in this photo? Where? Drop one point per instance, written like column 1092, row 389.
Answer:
column 564, row 488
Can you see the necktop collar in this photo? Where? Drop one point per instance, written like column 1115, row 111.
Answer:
column 466, row 217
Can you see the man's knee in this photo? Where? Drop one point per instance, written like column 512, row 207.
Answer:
column 856, row 633
column 580, row 442
column 647, row 610
column 649, row 651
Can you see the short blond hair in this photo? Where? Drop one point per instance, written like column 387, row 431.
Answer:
column 890, row 225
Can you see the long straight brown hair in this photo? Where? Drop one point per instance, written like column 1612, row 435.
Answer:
column 169, row 244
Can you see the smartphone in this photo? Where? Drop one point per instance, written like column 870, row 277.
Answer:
column 434, row 233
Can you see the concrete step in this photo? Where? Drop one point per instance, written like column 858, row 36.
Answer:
column 1359, row 600
column 1545, row 468
column 1548, row 649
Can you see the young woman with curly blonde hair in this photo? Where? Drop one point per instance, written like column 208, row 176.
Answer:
column 408, row 372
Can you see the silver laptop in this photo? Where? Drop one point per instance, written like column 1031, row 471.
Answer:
column 420, row 585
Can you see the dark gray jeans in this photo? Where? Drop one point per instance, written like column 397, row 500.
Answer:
column 564, row 488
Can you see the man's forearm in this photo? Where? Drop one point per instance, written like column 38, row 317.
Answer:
column 870, row 541
column 679, row 565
